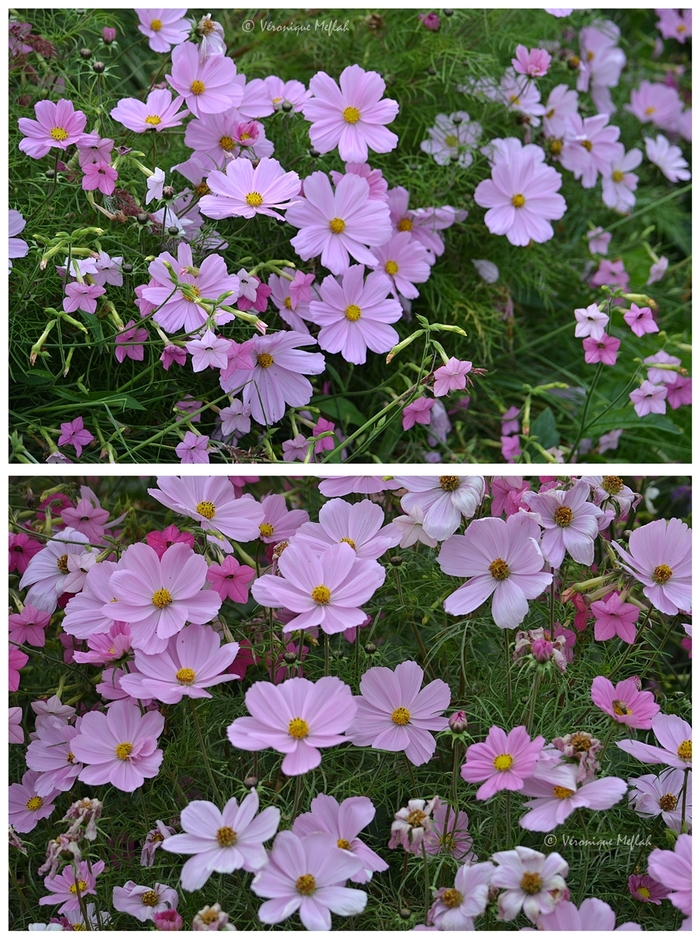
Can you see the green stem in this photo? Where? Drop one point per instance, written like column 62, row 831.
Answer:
column 203, row 748
column 508, row 663
column 584, row 415
column 685, row 797
column 533, row 698
column 587, row 858
column 326, row 655
column 426, row 879
column 613, row 725
column 298, row 789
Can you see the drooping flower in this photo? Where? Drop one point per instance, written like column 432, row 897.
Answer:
column 58, row 124
column 532, row 882
column 164, row 28
column 246, row 191
column 667, row 157
column 159, row 112
column 624, row 702
column 676, row 738
column 651, row 796
column 656, row 272
column 659, row 556
column 143, row 902
column 417, row 412
column 555, row 795
column 502, row 761
column 410, row 824
column 445, row 500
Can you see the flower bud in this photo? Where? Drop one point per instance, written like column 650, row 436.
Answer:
column 250, row 782
column 98, row 67
column 168, row 921
column 287, row 106
column 370, row 648
column 457, row 722
column 86, row 53
column 109, row 34
column 142, row 218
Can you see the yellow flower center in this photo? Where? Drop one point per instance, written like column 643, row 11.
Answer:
column 197, row 87
column 227, row 143
column 618, row 176
column 149, row 898
column 681, row 28
column 685, row 750
column 298, row 728
column 185, row 676
column 415, row 817
column 162, row 598
column 391, row 267
column 518, row 200
column 306, row 884
column 406, row 224
column 266, row 530
column 452, row 898
column 351, row 115
column 499, row 570
column 34, row 803
column 563, row 516
column 342, row 843
column 288, row 302
column 589, row 55
column 226, row 837
column 451, row 140
column 348, row 541
column 353, row 313
column 620, row 708
column 265, row 360
column 587, row 145
column 449, row 483
column 78, row 927
column 556, row 146
column 650, row 110
column 254, row 199
column 321, row 595
column 662, row 574
column 209, row 916
column 207, row 509
column 644, row 892
column 401, row 716
column 156, row 25
column 612, row 484
column 668, row 802
column 62, row 563
column 514, row 99
column 59, row 133
column 123, row 750
column 561, row 792
column 70, row 757
column 581, row 742
column 246, row 136
column 153, row 119
column 80, row 886
column 337, row 226
column 531, row 883
column 503, row 762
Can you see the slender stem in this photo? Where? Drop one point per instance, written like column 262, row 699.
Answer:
column 613, row 725
column 584, row 879
column 508, row 816
column 410, row 773
column 685, row 797
column 426, row 877
column 298, row 790
column 20, row 893
column 203, row 748
column 81, row 898
column 508, row 663
column 456, row 760
column 533, row 699
column 584, row 415
column 326, row 655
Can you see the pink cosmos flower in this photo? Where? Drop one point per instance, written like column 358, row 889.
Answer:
column 532, row 62
column 154, row 840
column 640, row 321
column 591, row 147
column 502, row 558
column 26, row 808
column 193, row 660
column 206, row 84
column 410, row 527
column 555, row 795
column 246, row 191
column 350, row 117
column 222, row 841
column 410, row 824
column 129, row 343
column 673, row 870
column 50, row 753
column 533, row 882
column 15, row 730
column 651, row 796
column 646, row 889
column 344, row 821
column 417, row 412
column 84, row 616
column 295, row 718
column 445, row 500
column 230, row 579
column 82, row 297
column 659, row 556
column 307, row 874
column 593, row 915
column 17, row 247
column 358, row 525
column 159, row 112
column 521, row 95
column 613, row 618
column 394, row 714
column 503, row 760
column 164, row 28
column 405, row 261
column 657, row 271
column 649, row 398
column 598, row 240
column 64, row 886
column 277, row 377
column 119, row 747
column 211, row 501
column 561, row 103
column 143, row 902
column 58, row 124
column 619, row 184
column 354, row 314
column 675, row 24
column 292, row 92
column 624, row 702
column 601, row 62
column 521, row 197
column 570, row 522
column 106, row 647
column 452, row 139
column 447, row 832
column 452, row 376
column 668, row 158
column 29, row 626
column 100, row 176
column 590, row 321
column 675, row 736
column 604, row 349
column 47, row 572
column 455, row 907
column 340, row 224
column 157, row 596
column 279, row 523
column 657, row 103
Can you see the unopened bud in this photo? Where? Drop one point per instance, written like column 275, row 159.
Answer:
column 290, row 657
column 86, row 53
column 109, row 34
column 98, row 67
column 370, row 648
column 287, row 106
column 142, row 218
column 457, row 722
column 250, row 782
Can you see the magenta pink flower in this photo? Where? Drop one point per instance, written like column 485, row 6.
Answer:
column 94, row 149
column 675, row 736
column 58, row 124
column 352, row 116
column 503, row 760
column 157, row 596
column 74, row 434
column 244, row 191
column 593, row 915
column 119, row 747
column 613, row 618
column 22, row 550
column 452, row 376
column 377, row 184
column 405, row 261
column 649, row 398
column 143, row 902
column 106, row 647
column 29, row 626
column 674, row 870
column 82, row 297
column 211, row 501
column 624, row 702
column 659, row 556
column 307, row 874
column 394, row 714
column 230, row 579
column 430, row 20
column 555, row 795
column 222, row 841
column 159, row 112
column 521, row 197
column 506, row 492
column 340, row 224
column 100, row 176
column 532, row 62
column 207, row 84
column 295, row 718
column 354, row 315
column 417, row 412
column 26, row 808
column 640, row 321
column 129, row 343
column 603, row 349
column 344, row 821
column 680, row 392
column 646, row 889
column 64, row 886
column 164, row 28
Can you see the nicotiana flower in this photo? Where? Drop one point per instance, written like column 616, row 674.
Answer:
column 222, row 841
column 344, row 821
column 598, row 240
column 164, row 28
column 667, row 157
column 143, row 902
column 673, row 869
column 532, row 882
column 307, row 874
column 350, row 117
column 593, row 915
column 452, row 376
column 659, row 556
column 326, row 590
column 455, row 907
column 119, row 747
column 640, row 321
column 57, row 124
column 502, row 558
column 656, row 272
column 651, row 796
column 358, row 524
column 211, row 501
column 246, row 191
column 159, row 112
column 649, row 398
column 502, row 761
column 445, row 500
column 590, row 321
column 394, row 714
column 570, row 522
column 295, row 718
column 64, row 887
column 555, row 795
column 676, row 738
column 614, row 617
column 624, row 702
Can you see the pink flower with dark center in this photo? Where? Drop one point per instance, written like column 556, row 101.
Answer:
column 603, row 349
column 350, row 117
column 211, row 501
column 651, row 796
column 279, row 523
column 417, row 412
column 235, row 419
column 649, row 398
column 295, row 718
column 502, row 761
column 119, row 747
column 455, row 907
column 99, row 175
column 82, row 297
column 598, row 240
column 29, row 626
column 657, row 271
column 164, row 28
column 26, row 808
column 591, row 147
column 680, row 392
column 647, row 890
column 405, row 261
column 64, row 887
column 613, row 617
column 292, row 92
column 246, row 191
column 640, row 321
column 506, row 492
column 58, row 124
column 94, row 149
column 394, row 714
column 452, row 376
column 143, row 902
column 206, row 84
column 87, row 516
column 522, row 198
column 532, row 62
column 230, row 579
column 209, row 351
column 668, row 158
column 159, row 112
column 354, row 314
column 659, row 556
column 624, row 702
column 611, row 274
column 307, row 874
column 570, row 522
column 590, row 321
column 673, row 870
column 344, row 821
column 129, row 343
column 555, row 795
column 532, row 882
column 676, row 738
column 592, row 916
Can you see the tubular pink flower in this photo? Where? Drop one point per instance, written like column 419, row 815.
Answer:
column 613, row 618
column 503, row 760
column 649, row 398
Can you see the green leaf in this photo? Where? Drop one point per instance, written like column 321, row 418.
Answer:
column 544, row 427
column 341, row 409
column 628, row 422
column 96, row 399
